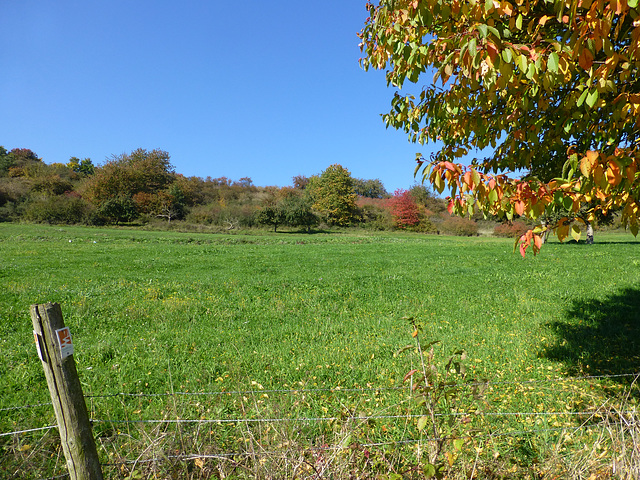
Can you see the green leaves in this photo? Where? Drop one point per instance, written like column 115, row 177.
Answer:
column 519, row 22
column 507, row 55
column 422, row 422
column 553, row 62
column 592, row 97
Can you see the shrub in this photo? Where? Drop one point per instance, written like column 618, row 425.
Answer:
column 15, row 172
column 510, row 229
column 375, row 217
column 8, row 212
column 52, row 185
column 228, row 216
column 425, row 226
column 58, row 209
column 461, row 227
column 404, row 209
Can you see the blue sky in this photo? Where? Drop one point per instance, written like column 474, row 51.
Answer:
column 266, row 90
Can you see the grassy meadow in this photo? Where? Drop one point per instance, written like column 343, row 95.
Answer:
column 306, row 326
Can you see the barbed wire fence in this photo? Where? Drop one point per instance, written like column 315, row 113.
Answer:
column 588, row 418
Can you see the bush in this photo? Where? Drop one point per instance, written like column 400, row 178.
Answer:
column 67, row 209
column 425, row 226
column 228, row 216
column 52, row 185
column 404, row 209
column 375, row 217
column 510, row 229
column 461, row 227
column 8, row 212
column 117, row 210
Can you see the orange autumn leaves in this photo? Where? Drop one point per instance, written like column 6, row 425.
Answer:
column 599, row 183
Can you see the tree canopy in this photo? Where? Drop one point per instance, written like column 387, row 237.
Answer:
column 370, row 188
column 333, row 195
column 128, row 174
column 549, row 87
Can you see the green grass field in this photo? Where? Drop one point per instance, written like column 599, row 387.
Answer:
column 162, row 312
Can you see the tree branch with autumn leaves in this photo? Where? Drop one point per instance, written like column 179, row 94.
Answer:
column 550, row 86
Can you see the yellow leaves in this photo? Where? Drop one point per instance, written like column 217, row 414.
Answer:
column 588, row 163
column 544, row 19
column 475, row 176
column 451, row 458
column 506, row 9
column 575, row 232
column 617, row 6
column 564, row 66
column 437, row 181
column 598, row 174
column 422, row 422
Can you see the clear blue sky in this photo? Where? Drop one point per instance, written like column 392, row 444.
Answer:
column 258, row 89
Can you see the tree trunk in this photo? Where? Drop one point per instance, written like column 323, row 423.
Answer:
column 589, row 232
column 545, row 234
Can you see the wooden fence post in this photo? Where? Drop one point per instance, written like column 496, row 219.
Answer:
column 55, row 349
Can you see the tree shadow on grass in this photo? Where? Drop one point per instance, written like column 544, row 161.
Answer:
column 600, row 337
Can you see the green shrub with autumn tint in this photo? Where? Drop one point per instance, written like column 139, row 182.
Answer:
column 226, row 216
column 459, row 226
column 59, row 209
column 511, row 229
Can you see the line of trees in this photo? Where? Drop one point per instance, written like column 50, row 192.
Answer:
column 143, row 186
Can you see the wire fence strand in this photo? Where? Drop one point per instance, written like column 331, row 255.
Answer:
column 346, row 418
column 293, row 391
column 362, row 418
column 28, row 430
column 311, row 391
column 355, row 390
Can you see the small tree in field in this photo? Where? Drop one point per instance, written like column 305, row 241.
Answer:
column 333, row 195
column 271, row 215
column 287, row 206
column 404, row 209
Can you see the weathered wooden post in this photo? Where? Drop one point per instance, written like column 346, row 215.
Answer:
column 55, row 349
